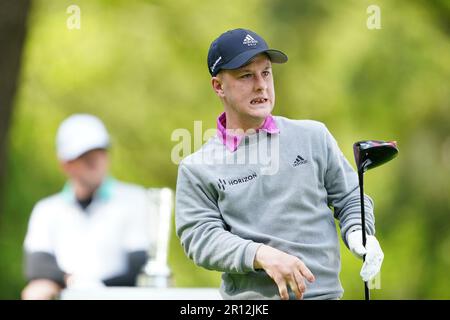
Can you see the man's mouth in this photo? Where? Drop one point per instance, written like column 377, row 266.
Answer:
column 258, row 100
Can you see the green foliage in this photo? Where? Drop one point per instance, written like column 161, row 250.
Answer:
column 141, row 67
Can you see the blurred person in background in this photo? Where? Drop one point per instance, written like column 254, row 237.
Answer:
column 94, row 232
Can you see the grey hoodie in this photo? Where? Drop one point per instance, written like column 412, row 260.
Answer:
column 228, row 204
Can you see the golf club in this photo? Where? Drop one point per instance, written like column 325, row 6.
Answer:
column 370, row 154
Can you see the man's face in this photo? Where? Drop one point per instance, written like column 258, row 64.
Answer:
column 89, row 170
column 247, row 93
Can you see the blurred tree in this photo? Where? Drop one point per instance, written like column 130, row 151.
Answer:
column 13, row 17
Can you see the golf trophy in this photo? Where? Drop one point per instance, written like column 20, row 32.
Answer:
column 156, row 273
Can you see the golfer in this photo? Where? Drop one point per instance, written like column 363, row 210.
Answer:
column 268, row 225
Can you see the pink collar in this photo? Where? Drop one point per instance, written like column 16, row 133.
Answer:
column 232, row 141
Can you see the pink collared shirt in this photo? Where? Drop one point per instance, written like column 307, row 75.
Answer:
column 232, row 141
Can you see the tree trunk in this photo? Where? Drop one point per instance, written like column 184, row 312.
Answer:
column 13, row 18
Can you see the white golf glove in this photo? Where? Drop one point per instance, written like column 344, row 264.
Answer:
column 373, row 252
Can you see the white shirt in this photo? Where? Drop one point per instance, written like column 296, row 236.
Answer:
column 93, row 242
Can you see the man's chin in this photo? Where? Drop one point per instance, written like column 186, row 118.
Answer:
column 91, row 186
column 260, row 112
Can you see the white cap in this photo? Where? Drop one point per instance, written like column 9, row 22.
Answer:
column 79, row 134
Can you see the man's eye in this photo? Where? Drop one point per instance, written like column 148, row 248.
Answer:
column 266, row 73
column 247, row 75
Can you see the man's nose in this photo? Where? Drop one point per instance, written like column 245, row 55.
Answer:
column 260, row 83
column 92, row 164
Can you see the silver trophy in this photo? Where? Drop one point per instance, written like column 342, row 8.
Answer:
column 156, row 273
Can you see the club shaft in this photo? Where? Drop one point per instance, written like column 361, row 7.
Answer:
column 363, row 225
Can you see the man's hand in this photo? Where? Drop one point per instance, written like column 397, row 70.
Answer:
column 284, row 269
column 41, row 289
column 372, row 251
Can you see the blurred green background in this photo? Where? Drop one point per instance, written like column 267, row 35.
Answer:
column 141, row 67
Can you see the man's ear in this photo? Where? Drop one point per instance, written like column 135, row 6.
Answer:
column 217, row 86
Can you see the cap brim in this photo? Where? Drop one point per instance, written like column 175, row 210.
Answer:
column 75, row 152
column 242, row 59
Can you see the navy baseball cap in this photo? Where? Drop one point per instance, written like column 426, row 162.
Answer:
column 234, row 48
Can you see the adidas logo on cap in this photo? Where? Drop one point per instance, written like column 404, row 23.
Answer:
column 248, row 40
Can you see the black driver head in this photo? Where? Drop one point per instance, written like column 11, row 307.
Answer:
column 373, row 153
